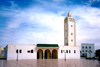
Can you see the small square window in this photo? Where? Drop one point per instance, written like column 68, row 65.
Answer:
column 82, row 47
column 89, row 47
column 66, row 30
column 72, row 40
column 82, row 50
column 71, row 25
column 86, row 47
column 71, row 33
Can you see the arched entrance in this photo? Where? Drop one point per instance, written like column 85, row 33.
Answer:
column 47, row 54
column 40, row 54
column 54, row 54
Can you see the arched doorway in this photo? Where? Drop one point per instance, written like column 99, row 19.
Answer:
column 54, row 54
column 47, row 54
column 40, row 54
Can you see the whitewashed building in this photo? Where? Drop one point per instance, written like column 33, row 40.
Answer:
column 87, row 50
column 48, row 51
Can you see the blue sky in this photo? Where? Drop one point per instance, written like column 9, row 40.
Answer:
column 42, row 21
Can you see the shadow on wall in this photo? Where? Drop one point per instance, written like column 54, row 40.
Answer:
column 2, row 59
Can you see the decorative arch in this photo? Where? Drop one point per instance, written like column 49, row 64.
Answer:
column 40, row 54
column 54, row 54
column 47, row 54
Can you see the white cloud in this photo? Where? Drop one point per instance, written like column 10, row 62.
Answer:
column 52, row 34
column 88, row 25
column 47, row 27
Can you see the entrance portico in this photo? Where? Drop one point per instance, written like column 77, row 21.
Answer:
column 47, row 51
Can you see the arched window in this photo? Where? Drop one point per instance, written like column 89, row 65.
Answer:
column 69, row 51
column 66, row 51
column 74, row 51
column 17, row 51
column 61, row 51
column 20, row 51
column 31, row 51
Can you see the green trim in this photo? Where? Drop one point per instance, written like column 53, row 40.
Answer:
column 47, row 45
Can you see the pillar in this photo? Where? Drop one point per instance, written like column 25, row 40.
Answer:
column 51, row 53
column 43, row 54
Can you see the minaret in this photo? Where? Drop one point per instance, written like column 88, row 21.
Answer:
column 69, row 31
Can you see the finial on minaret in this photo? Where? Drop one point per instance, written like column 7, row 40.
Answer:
column 69, row 14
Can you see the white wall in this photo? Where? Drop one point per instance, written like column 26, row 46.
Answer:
column 12, row 55
column 71, row 30
column 69, row 25
column 71, row 55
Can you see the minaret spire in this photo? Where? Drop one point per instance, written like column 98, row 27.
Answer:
column 69, row 14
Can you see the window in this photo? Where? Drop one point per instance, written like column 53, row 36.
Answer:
column 66, row 38
column 61, row 51
column 17, row 51
column 69, row 51
column 71, row 33
column 82, row 50
column 70, row 18
column 82, row 47
column 67, row 44
column 28, row 51
column 71, row 25
column 74, row 51
column 66, row 51
column 31, row 51
column 89, row 47
column 72, row 40
column 66, row 30
column 86, row 51
column 20, row 51
column 86, row 47
column 2, row 52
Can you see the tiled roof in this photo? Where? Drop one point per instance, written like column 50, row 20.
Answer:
column 47, row 45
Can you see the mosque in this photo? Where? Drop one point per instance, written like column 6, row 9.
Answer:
column 48, row 51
